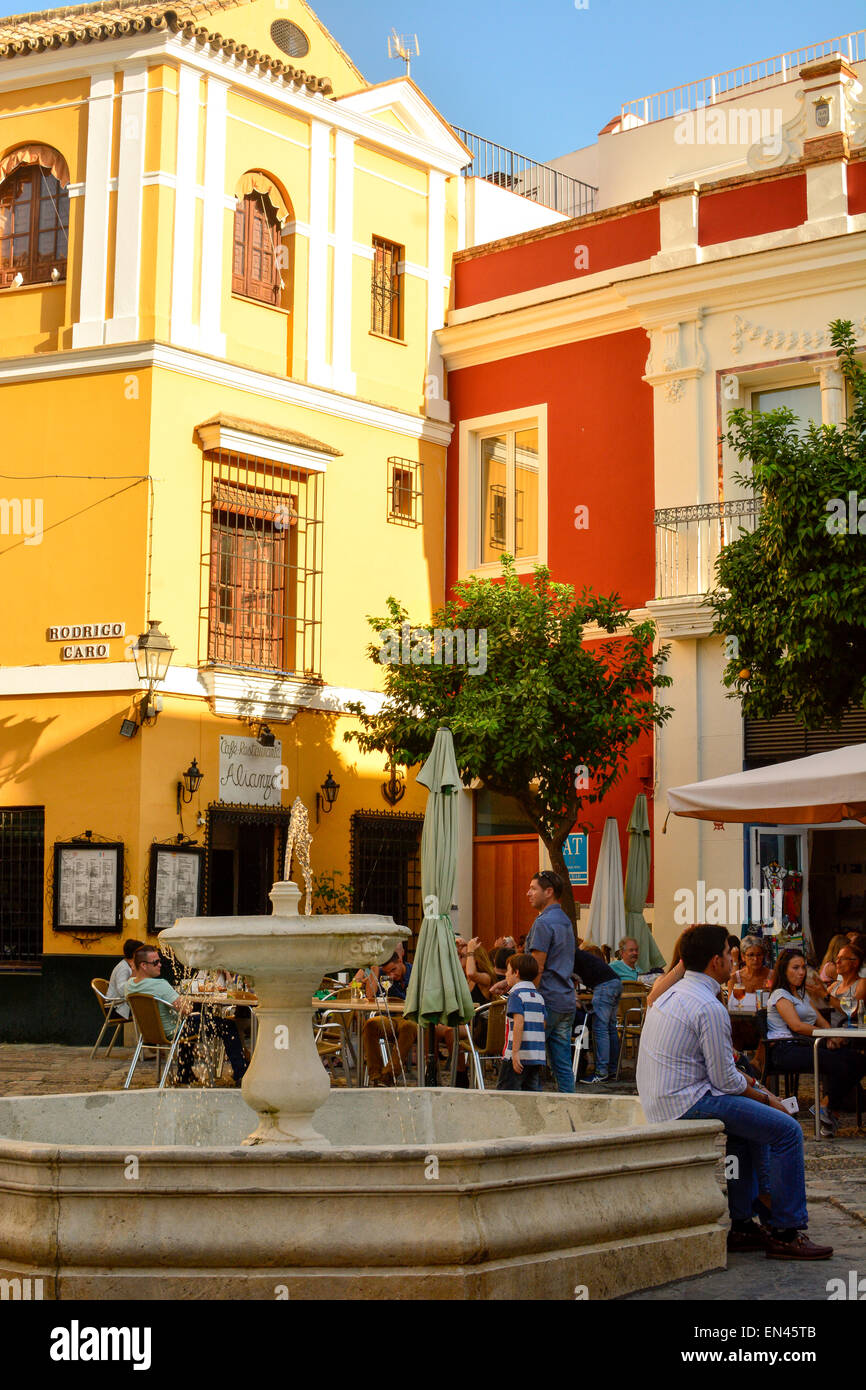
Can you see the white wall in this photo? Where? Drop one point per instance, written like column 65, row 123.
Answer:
column 493, row 212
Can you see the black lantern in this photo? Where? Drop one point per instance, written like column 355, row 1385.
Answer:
column 327, row 796
column 152, row 653
column 192, row 779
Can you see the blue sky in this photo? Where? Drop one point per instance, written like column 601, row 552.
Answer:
column 544, row 77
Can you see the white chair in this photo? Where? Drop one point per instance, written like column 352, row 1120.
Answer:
column 152, row 1034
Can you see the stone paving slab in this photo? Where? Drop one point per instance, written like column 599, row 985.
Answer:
column 754, row 1278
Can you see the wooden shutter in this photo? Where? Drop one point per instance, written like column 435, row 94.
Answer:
column 239, row 251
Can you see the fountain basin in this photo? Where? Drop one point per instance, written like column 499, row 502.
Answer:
column 418, row 1194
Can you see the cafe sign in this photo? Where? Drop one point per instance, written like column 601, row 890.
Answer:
column 250, row 775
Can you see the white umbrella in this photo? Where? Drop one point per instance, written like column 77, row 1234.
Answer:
column 826, row 787
column 607, row 905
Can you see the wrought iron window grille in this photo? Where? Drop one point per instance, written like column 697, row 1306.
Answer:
column 405, row 494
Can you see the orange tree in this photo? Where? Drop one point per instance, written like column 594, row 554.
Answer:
column 791, row 600
column 535, row 714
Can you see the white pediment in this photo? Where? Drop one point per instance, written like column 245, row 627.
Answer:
column 406, row 103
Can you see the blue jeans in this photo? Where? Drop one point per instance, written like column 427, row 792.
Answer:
column 605, row 1040
column 558, row 1029
column 758, row 1133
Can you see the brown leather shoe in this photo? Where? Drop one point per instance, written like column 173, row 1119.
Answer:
column 756, row 1238
column 800, row 1248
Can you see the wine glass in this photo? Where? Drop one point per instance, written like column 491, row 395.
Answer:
column 848, row 1004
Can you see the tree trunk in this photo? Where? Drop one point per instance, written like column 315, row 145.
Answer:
column 557, row 863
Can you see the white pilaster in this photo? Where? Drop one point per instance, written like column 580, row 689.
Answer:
column 211, row 337
column 183, row 333
column 319, row 372
column 122, row 327
column 434, row 392
column 678, row 231
column 827, row 198
column 89, row 331
column 344, row 205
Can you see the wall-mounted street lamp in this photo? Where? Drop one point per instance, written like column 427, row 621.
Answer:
column 187, row 788
column 327, row 796
column 152, row 653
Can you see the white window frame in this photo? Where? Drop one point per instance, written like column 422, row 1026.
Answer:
column 471, row 434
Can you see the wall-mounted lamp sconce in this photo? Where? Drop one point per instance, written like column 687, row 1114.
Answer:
column 187, row 789
column 327, row 796
column 266, row 738
column 152, row 653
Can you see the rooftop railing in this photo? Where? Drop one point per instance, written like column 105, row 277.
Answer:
column 520, row 174
column 690, row 539
column 770, row 71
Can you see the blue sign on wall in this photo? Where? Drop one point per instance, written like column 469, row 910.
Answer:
column 575, row 852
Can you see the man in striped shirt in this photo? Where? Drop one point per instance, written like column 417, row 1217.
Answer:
column 686, row 1071
column 524, row 1054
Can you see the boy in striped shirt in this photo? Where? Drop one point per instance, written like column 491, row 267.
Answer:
column 524, row 1054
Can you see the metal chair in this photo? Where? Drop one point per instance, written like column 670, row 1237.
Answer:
column 151, row 1033
column 580, row 1041
column 494, row 1038
column 110, row 1019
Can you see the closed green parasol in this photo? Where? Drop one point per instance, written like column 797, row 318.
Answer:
column 636, row 884
column 438, row 991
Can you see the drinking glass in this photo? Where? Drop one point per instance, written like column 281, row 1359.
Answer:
column 848, row 1004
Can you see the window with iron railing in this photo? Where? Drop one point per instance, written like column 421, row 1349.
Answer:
column 22, row 888
column 387, row 289
column 264, row 566
column 405, row 492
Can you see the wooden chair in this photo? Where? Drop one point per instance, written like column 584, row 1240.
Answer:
column 110, row 1019
column 630, row 1020
column 151, row 1033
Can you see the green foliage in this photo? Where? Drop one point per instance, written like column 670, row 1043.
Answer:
column 794, row 592
column 546, row 706
column 329, row 895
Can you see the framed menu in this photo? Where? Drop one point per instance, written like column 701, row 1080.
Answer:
column 176, row 884
column 88, row 886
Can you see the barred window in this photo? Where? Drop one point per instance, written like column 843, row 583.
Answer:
column 257, row 250
column 22, row 849
column 387, row 285
column 34, row 226
column 405, row 492
column 264, row 606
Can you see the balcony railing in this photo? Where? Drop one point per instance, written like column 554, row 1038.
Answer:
column 689, row 540
column 769, row 71
column 519, row 174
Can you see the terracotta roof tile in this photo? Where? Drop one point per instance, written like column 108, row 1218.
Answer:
column 112, row 19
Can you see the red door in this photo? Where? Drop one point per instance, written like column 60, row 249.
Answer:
column 502, row 868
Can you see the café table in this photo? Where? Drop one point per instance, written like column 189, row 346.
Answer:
column 219, row 999
column 357, row 1008
column 819, row 1036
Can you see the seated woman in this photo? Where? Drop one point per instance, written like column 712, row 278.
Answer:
column 479, row 970
column 849, row 984
column 791, row 1022
column 828, row 964
column 753, row 974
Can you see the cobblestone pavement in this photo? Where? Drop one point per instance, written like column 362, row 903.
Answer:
column 49, row 1070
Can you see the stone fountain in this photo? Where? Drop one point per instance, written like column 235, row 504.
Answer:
column 375, row 1194
column 285, row 957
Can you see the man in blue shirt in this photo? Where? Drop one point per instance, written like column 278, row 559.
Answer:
column 551, row 941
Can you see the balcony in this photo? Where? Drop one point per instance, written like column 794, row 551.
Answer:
column 769, row 72
column 689, row 540
column 519, row 174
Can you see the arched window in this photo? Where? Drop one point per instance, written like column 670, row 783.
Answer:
column 34, row 216
column 260, row 256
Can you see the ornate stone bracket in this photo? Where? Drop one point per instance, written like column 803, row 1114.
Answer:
column 677, row 355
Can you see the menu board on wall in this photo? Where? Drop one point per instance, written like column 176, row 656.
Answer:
column 88, row 887
column 176, row 884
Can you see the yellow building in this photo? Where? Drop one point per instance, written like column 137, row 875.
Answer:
column 223, row 257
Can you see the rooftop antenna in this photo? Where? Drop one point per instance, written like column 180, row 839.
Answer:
column 405, row 47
